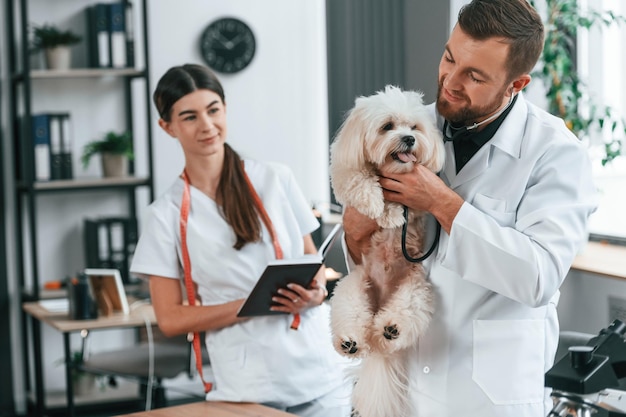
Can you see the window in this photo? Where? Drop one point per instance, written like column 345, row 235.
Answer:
column 602, row 63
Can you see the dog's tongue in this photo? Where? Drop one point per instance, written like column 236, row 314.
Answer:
column 407, row 157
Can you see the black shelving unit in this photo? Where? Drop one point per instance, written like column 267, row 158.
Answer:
column 27, row 190
column 7, row 405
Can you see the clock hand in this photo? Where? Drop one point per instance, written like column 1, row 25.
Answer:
column 236, row 40
column 222, row 40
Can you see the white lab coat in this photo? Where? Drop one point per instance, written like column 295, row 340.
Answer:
column 528, row 193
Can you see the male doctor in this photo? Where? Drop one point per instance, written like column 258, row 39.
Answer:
column 513, row 201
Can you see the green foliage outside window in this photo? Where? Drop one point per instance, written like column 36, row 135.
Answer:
column 568, row 96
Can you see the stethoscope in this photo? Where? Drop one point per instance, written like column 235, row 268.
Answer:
column 429, row 251
column 449, row 135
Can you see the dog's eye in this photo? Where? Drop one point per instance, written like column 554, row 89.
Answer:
column 414, row 127
column 387, row 126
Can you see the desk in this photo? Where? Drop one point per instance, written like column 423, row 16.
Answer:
column 213, row 409
column 602, row 259
column 62, row 323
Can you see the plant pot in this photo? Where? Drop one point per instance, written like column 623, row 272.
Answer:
column 114, row 165
column 58, row 58
column 84, row 384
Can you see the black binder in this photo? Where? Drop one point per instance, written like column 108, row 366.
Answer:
column 110, row 243
column 60, row 146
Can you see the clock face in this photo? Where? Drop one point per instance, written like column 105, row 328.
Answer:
column 227, row 45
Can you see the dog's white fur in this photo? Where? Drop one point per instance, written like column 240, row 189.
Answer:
column 384, row 304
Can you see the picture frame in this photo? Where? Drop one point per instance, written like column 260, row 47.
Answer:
column 108, row 290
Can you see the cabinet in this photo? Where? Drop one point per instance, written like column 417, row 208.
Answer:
column 49, row 215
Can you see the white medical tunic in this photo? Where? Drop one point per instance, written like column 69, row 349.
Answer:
column 261, row 359
column 528, row 193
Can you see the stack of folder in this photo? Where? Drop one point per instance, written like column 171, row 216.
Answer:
column 110, row 35
column 52, row 146
column 110, row 243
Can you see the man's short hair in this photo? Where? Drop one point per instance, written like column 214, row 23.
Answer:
column 516, row 22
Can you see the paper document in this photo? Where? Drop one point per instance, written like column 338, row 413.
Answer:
column 57, row 305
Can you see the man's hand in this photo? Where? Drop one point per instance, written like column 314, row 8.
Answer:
column 422, row 190
column 358, row 229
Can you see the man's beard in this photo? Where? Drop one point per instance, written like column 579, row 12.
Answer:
column 466, row 116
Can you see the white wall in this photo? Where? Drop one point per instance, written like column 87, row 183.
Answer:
column 584, row 304
column 277, row 107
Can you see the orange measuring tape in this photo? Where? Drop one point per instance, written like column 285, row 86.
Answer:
column 191, row 291
column 189, row 286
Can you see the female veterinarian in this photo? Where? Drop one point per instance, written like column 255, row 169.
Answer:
column 228, row 241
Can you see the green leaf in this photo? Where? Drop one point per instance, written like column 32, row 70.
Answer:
column 119, row 143
column 566, row 94
column 49, row 36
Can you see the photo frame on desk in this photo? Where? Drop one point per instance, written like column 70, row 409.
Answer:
column 108, row 290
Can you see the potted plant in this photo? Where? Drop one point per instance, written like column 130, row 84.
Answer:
column 55, row 44
column 568, row 96
column 115, row 149
column 83, row 382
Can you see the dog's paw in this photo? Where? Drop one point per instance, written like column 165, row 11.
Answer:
column 350, row 347
column 386, row 338
column 391, row 332
column 367, row 196
column 392, row 217
column 371, row 208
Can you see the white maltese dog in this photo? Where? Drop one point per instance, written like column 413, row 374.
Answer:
column 384, row 304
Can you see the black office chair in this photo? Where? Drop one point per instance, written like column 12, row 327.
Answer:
column 570, row 338
column 172, row 357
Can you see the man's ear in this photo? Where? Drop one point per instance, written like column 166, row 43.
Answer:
column 519, row 83
column 166, row 127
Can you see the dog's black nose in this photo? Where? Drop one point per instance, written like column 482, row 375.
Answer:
column 408, row 140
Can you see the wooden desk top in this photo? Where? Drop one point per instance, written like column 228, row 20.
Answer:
column 63, row 323
column 602, row 259
column 213, row 409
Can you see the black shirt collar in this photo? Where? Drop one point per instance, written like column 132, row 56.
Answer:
column 467, row 142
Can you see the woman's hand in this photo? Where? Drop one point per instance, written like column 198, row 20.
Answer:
column 296, row 298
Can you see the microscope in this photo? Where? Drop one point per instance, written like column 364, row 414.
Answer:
column 591, row 379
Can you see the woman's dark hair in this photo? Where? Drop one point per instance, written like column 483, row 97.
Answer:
column 233, row 194
column 514, row 20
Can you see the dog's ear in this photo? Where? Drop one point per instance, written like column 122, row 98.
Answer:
column 348, row 149
column 436, row 154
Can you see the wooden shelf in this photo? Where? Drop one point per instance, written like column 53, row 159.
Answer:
column 85, row 73
column 87, row 183
column 75, row 91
